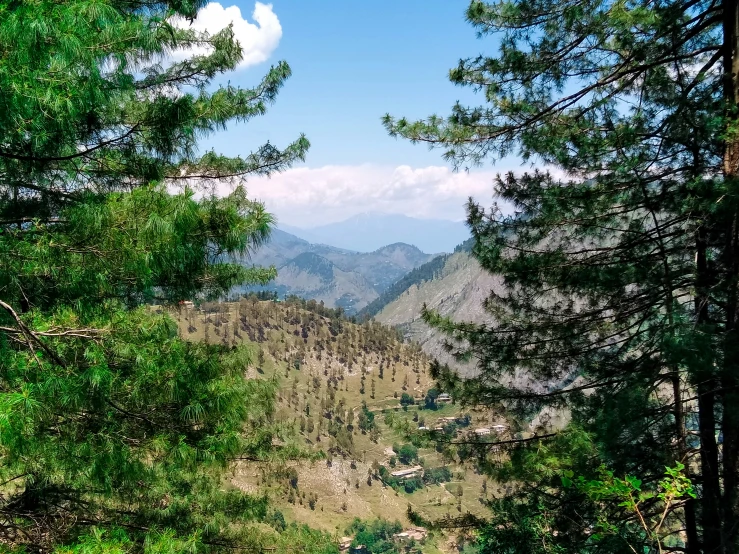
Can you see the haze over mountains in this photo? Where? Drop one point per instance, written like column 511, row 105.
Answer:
column 338, row 277
column 368, row 232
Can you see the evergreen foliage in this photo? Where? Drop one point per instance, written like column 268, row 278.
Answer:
column 621, row 276
column 376, row 536
column 114, row 432
column 406, row 399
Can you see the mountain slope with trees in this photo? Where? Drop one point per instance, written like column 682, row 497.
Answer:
column 457, row 289
column 358, row 394
column 429, row 271
column 313, row 277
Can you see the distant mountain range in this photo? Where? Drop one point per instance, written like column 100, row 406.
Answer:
column 370, row 231
column 337, row 276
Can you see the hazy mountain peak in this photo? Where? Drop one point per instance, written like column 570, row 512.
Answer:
column 399, row 246
column 313, row 264
column 369, row 232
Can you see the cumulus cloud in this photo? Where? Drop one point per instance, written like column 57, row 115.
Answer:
column 258, row 40
column 308, row 197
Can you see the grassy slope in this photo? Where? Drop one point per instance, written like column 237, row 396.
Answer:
column 341, row 486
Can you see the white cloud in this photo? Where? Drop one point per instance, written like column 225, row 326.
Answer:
column 258, row 40
column 314, row 196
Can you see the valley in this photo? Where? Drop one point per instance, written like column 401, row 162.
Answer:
column 358, row 401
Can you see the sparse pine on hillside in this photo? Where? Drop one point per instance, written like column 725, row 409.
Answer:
column 319, row 351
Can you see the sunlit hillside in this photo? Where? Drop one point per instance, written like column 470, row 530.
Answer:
column 356, row 395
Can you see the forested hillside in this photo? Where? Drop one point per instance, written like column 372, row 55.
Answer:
column 457, row 289
column 429, row 271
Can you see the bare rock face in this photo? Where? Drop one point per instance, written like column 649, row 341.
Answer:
column 458, row 292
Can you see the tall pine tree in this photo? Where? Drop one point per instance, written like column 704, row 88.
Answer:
column 114, row 433
column 620, row 277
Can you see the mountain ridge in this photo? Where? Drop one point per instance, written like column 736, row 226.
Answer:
column 339, row 277
column 368, row 232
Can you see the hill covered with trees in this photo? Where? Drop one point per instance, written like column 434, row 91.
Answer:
column 355, row 394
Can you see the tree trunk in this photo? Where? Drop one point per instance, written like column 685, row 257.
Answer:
column 710, row 499
column 691, row 524
column 730, row 369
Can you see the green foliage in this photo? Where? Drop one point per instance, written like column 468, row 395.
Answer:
column 437, row 475
column 406, row 399
column 366, row 419
column 413, row 484
column 407, row 454
column 376, row 535
column 629, row 493
column 425, row 272
column 304, row 539
column 617, row 280
column 115, row 433
column 429, row 401
column 276, row 520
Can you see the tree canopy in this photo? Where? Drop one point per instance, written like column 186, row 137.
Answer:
column 114, row 432
column 618, row 261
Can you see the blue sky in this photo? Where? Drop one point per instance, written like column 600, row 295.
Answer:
column 353, row 62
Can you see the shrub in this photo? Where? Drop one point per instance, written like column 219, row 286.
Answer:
column 407, row 454
column 437, row 475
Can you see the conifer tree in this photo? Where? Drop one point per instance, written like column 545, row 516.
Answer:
column 618, row 279
column 113, row 431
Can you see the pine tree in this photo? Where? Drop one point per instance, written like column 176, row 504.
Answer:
column 618, row 280
column 115, row 432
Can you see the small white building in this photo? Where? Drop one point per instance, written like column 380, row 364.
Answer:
column 444, row 397
column 499, row 428
column 413, row 533
column 482, row 432
column 410, row 472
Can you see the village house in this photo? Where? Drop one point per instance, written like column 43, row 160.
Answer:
column 412, row 534
column 345, row 544
column 444, row 397
column 406, row 473
column 482, row 432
